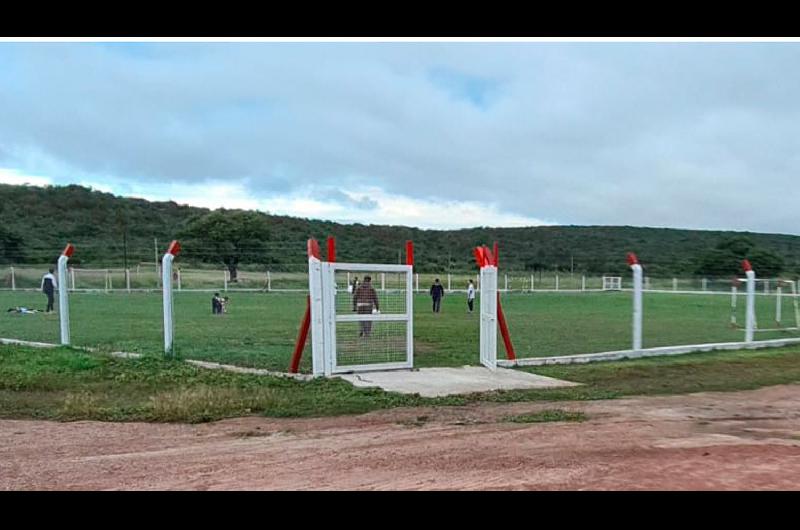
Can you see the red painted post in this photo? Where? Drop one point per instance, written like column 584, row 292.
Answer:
column 501, row 321
column 302, row 336
column 331, row 249
column 409, row 252
column 489, row 256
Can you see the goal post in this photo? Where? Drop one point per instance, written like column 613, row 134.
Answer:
column 786, row 305
column 612, row 283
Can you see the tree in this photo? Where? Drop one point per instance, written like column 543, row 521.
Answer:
column 227, row 236
column 10, row 246
column 725, row 259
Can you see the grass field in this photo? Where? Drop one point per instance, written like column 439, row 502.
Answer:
column 65, row 384
column 260, row 328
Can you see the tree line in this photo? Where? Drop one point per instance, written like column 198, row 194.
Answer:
column 35, row 223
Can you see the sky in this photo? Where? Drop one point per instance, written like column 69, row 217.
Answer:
column 702, row 135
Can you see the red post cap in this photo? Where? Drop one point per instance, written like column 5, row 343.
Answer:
column 313, row 249
column 480, row 257
column 409, row 252
column 632, row 259
column 746, row 265
column 68, row 250
column 174, row 247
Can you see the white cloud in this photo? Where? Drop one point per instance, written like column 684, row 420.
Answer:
column 442, row 134
column 15, row 177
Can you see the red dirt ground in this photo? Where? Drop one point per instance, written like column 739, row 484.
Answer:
column 720, row 441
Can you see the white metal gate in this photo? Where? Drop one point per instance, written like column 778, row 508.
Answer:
column 488, row 340
column 362, row 317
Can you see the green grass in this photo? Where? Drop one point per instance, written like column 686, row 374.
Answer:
column 67, row 384
column 547, row 416
column 261, row 328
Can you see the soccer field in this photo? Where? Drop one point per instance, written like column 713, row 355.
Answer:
column 261, row 328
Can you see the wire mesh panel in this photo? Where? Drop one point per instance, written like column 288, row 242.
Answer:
column 354, row 288
column 368, row 316
column 368, row 342
column 488, row 338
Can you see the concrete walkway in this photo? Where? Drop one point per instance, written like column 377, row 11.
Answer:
column 436, row 382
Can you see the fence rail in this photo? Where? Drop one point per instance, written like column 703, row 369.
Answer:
column 24, row 278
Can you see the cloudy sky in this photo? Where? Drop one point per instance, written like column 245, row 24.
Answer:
column 428, row 134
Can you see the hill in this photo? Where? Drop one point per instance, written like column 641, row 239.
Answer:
column 36, row 222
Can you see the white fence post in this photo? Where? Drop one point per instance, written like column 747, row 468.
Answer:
column 583, row 283
column 766, row 286
column 72, row 277
column 383, row 281
column 225, row 279
column 506, row 283
column 63, row 295
column 107, row 280
column 647, row 282
column 128, row 279
column 674, row 284
column 704, row 283
column 750, row 321
column 531, row 282
column 269, row 281
column 778, row 293
column 13, row 281
column 417, row 280
column 637, row 306
column 556, row 282
column 448, row 282
column 166, row 285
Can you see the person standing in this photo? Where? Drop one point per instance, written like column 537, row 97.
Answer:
column 49, row 286
column 364, row 300
column 470, row 296
column 437, row 293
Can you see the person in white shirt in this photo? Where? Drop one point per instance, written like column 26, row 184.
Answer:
column 470, row 296
column 49, row 286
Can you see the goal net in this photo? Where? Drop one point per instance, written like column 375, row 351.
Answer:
column 612, row 283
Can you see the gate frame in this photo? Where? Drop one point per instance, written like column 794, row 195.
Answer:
column 330, row 318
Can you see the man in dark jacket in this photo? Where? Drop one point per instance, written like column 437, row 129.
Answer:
column 364, row 300
column 49, row 285
column 437, row 293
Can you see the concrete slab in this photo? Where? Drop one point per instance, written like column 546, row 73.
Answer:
column 437, row 382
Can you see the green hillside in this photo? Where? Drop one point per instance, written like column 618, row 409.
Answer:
column 35, row 224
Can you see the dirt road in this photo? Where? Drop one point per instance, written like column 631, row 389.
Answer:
column 742, row 440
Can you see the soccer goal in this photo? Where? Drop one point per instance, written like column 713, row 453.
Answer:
column 777, row 307
column 612, row 283
column 361, row 315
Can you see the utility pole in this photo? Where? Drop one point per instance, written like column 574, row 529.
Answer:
column 155, row 247
column 571, row 265
column 125, row 246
